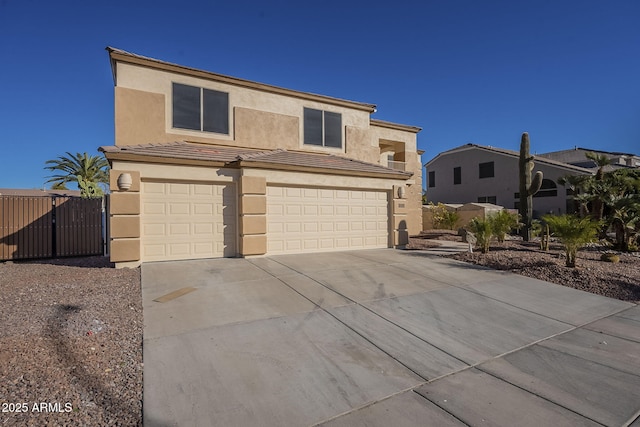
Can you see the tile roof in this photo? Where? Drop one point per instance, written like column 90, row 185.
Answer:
column 182, row 150
column 511, row 153
column 236, row 156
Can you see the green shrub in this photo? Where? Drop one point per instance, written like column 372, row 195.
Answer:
column 483, row 232
column 442, row 217
column 503, row 222
column 450, row 219
column 573, row 232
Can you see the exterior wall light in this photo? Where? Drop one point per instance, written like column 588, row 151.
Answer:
column 402, row 192
column 124, row 181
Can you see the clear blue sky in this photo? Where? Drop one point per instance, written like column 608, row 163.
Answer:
column 568, row 72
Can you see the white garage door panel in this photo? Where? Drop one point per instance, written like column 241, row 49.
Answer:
column 312, row 219
column 187, row 221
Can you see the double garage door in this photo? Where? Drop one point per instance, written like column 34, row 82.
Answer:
column 187, row 220
column 303, row 219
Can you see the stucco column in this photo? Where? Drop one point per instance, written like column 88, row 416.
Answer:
column 399, row 213
column 124, row 217
column 253, row 215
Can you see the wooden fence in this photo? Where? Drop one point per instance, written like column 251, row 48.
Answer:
column 47, row 227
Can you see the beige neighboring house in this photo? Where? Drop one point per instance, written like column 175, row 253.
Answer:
column 206, row 165
column 578, row 157
column 475, row 173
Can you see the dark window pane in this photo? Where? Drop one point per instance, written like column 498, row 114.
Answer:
column 215, row 117
column 312, row 126
column 547, row 189
column 186, row 107
column 332, row 129
column 457, row 175
column 491, row 199
column 432, row 179
column 486, row 170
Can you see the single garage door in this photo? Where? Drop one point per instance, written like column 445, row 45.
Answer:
column 186, row 220
column 301, row 219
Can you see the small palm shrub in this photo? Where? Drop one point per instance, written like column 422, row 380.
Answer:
column 503, row 222
column 483, row 232
column 573, row 232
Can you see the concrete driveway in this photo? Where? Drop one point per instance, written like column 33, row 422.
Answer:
column 378, row 338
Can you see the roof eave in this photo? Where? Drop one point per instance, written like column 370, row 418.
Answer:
column 133, row 157
column 296, row 168
column 122, row 56
column 394, row 126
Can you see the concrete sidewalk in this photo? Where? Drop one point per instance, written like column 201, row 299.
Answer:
column 381, row 337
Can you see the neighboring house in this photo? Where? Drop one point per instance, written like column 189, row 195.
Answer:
column 221, row 166
column 476, row 173
column 577, row 157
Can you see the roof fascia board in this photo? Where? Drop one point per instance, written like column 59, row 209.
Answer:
column 394, row 126
column 179, row 69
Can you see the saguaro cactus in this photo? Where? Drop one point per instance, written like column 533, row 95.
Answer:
column 528, row 187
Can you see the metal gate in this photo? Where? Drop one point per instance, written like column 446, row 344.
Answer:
column 47, row 227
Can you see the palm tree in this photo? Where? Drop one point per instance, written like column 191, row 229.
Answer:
column 483, row 232
column 601, row 161
column 598, row 191
column 503, row 222
column 625, row 220
column 573, row 232
column 575, row 183
column 72, row 168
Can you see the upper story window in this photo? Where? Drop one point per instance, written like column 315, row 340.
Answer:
column 322, row 128
column 432, row 179
column 486, row 170
column 200, row 109
column 457, row 175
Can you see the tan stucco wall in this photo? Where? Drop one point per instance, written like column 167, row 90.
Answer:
column 139, row 117
column 257, row 119
column 405, row 144
column 241, row 101
column 262, row 129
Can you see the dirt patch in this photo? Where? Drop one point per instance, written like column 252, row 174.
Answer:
column 70, row 343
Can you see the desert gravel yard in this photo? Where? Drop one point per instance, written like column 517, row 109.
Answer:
column 71, row 329
column 70, row 343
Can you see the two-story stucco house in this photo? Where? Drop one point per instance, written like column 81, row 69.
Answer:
column 206, row 165
column 477, row 173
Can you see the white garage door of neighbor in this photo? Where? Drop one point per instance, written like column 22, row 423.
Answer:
column 321, row 219
column 183, row 220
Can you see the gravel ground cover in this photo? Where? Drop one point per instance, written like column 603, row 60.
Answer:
column 71, row 329
column 70, row 343
column 615, row 280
